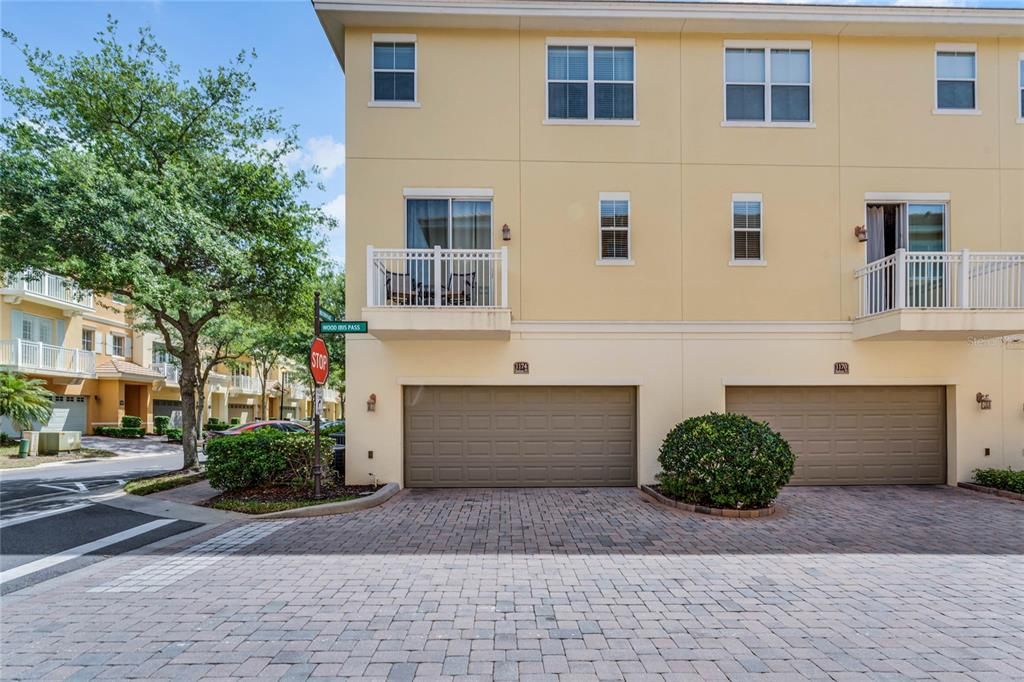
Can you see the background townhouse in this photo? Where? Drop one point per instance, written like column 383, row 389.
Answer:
column 101, row 369
column 572, row 225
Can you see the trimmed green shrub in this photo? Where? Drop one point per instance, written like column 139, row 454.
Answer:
column 1003, row 479
column 160, row 424
column 263, row 457
column 727, row 461
column 215, row 425
column 130, row 422
column 235, row 421
column 120, row 431
column 173, row 435
column 337, row 428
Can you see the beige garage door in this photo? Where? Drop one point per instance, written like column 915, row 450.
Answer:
column 477, row 436
column 855, row 435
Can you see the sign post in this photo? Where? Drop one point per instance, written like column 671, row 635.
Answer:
column 319, row 368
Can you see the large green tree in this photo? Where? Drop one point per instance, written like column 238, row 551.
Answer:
column 119, row 172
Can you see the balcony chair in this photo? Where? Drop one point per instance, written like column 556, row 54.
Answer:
column 460, row 289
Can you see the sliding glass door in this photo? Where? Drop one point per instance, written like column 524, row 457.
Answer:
column 449, row 224
column 928, row 283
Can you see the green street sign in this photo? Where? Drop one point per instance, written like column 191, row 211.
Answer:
column 342, row 327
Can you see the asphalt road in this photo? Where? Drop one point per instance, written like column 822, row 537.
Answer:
column 50, row 525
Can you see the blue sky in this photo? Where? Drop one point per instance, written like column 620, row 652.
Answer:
column 295, row 69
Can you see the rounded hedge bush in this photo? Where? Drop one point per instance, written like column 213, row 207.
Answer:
column 264, row 457
column 727, row 461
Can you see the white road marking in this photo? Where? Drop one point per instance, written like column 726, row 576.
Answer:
column 81, row 550
column 59, row 487
column 81, row 486
column 43, row 514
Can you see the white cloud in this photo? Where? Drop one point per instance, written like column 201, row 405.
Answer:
column 323, row 152
column 336, row 237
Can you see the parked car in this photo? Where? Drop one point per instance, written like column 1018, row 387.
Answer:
column 278, row 424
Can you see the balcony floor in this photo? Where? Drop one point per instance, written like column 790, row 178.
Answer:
column 910, row 324
column 439, row 323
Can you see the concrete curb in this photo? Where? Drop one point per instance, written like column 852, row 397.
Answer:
column 710, row 511
column 360, row 503
column 1006, row 494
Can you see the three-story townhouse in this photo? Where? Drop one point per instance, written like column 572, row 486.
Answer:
column 571, row 225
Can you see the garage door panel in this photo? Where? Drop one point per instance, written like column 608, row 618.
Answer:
column 520, row 436
column 854, row 435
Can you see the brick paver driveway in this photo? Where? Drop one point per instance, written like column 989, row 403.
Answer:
column 844, row 583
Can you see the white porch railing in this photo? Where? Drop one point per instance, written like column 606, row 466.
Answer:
column 53, row 287
column 244, row 384
column 298, row 390
column 330, row 395
column 436, row 278
column 942, row 279
column 170, row 371
column 32, row 356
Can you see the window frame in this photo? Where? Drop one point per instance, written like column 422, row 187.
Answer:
column 615, row 196
column 954, row 47
column 450, row 195
column 767, row 46
column 590, row 44
column 1020, row 86
column 114, row 337
column 746, row 262
column 414, row 103
column 92, row 339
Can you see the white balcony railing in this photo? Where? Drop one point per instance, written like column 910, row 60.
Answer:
column 436, row 278
column 330, row 395
column 298, row 390
column 244, row 384
column 968, row 280
column 171, row 372
column 32, row 356
column 53, row 288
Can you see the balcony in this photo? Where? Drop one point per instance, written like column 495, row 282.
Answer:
column 437, row 293
column 170, row 371
column 941, row 295
column 298, row 390
column 51, row 290
column 244, row 384
column 33, row 357
column 331, row 395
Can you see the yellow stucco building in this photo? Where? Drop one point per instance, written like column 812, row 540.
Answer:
column 100, row 369
column 571, row 225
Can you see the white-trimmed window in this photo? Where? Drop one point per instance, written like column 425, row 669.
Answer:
column 394, row 69
column 767, row 83
column 591, row 80
column 614, row 226
column 747, row 229
column 956, row 75
column 1020, row 88
column 88, row 339
column 117, row 345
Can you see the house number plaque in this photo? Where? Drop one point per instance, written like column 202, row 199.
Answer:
column 841, row 368
column 521, row 367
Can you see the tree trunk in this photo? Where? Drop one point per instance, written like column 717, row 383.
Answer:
column 200, row 407
column 189, row 378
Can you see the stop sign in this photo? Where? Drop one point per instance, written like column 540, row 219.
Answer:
column 318, row 362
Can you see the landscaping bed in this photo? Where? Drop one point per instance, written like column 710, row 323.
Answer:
column 9, row 458
column 1002, row 482
column 155, row 484
column 274, row 498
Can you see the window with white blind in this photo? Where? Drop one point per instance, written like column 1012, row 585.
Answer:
column 956, row 74
column 767, row 83
column 590, row 81
column 747, row 230
column 118, row 345
column 88, row 339
column 614, row 228
column 394, row 70
column 1020, row 89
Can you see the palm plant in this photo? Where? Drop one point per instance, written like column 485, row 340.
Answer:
column 24, row 400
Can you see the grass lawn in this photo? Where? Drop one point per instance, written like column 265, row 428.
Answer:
column 154, row 484
column 9, row 457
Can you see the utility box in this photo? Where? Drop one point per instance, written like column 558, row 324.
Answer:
column 33, row 441
column 53, row 442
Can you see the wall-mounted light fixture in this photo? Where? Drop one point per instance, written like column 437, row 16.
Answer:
column 506, row 233
column 984, row 401
column 861, row 233
column 371, row 403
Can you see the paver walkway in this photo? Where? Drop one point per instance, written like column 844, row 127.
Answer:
column 844, row 583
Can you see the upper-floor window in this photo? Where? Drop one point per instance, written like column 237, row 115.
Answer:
column 747, row 232
column 117, row 345
column 88, row 339
column 956, row 75
column 765, row 83
column 1020, row 89
column 591, row 81
column 614, row 227
column 394, row 69
column 34, row 328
